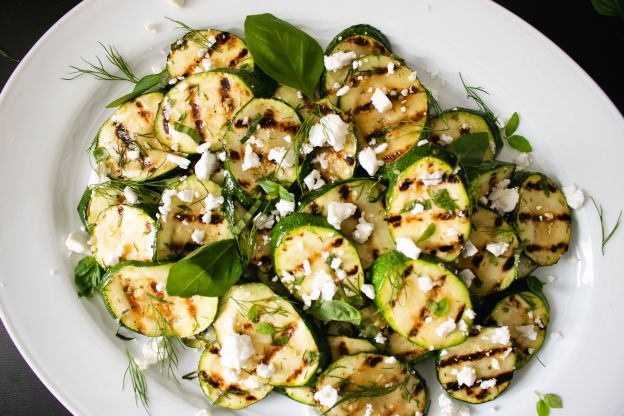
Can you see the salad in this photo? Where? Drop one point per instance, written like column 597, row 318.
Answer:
column 316, row 225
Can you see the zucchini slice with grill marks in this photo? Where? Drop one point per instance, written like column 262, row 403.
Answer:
column 342, row 345
column 483, row 178
column 260, row 145
column 362, row 40
column 136, row 294
column 245, row 389
column 527, row 317
column 303, row 394
column 294, row 98
column 422, row 300
column 373, row 384
column 399, row 127
column 203, row 50
column 406, row 350
column 281, row 338
column 123, row 233
column 542, row 218
column 126, row 145
column 333, row 163
column 483, row 362
column 490, row 235
column 316, row 262
column 204, row 103
column 366, row 195
column 185, row 222
column 427, row 202
column 526, row 266
column 450, row 125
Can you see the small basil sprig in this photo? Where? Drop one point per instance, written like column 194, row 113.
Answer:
column 87, row 276
column 335, row 310
column 286, row 53
column 275, row 190
column 208, row 271
column 443, row 199
column 429, row 231
column 516, row 141
column 142, row 86
column 547, row 402
column 470, row 148
column 189, row 131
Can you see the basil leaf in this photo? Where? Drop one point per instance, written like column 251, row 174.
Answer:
column 512, row 124
column 335, row 310
column 443, row 199
column 286, row 53
column 432, row 305
column 429, row 231
column 275, row 190
column 253, row 126
column 609, row 7
column 470, row 148
column 281, row 340
column 252, row 313
column 443, row 306
column 208, row 271
column 100, row 154
column 553, row 401
column 542, row 408
column 264, row 328
column 189, row 131
column 142, row 86
column 87, row 276
column 520, row 143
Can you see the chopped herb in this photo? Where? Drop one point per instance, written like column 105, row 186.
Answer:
column 87, row 276
column 137, row 378
column 275, row 190
column 429, row 231
column 520, row 143
column 512, row 124
column 189, row 131
column 473, row 93
column 191, row 376
column 470, row 148
column 335, row 310
column 547, row 402
column 281, row 340
column 252, row 313
column 6, row 55
column 253, row 126
column 443, row 199
column 604, row 235
column 265, row 328
column 98, row 71
column 438, row 308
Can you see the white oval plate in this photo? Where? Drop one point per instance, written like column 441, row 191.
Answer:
column 47, row 125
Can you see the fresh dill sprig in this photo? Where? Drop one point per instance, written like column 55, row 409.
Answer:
column 473, row 92
column 194, row 34
column 6, row 55
column 300, row 138
column 137, row 378
column 167, row 350
column 433, row 104
column 98, row 71
column 606, row 236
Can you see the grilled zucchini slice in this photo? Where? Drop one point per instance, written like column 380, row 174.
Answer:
column 397, row 128
column 294, row 98
column 480, row 361
column 260, row 145
column 126, row 146
column 187, row 224
column 406, row 350
column 203, row 50
column 245, row 390
column 482, row 179
column 303, row 394
column 367, row 195
column 342, row 345
column 135, row 294
column 280, row 336
column 316, row 262
column 527, row 317
column 123, row 233
column 493, row 272
column 526, row 266
column 542, row 218
column 450, row 125
column 394, row 388
column 362, row 40
column 422, row 300
column 205, row 103
column 427, row 202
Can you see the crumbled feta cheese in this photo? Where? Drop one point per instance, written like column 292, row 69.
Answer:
column 390, row 360
column 356, row 65
column 425, row 283
column 330, row 129
column 363, row 230
column 221, row 156
column 390, row 68
column 251, row 159
column 556, row 335
column 338, row 60
column 342, row 91
column 130, row 195
column 368, row 290
column 486, row 384
column 412, row 76
column 265, row 221
column 469, row 249
column 133, row 154
column 501, row 335
column 466, row 376
column 150, row 353
column 165, row 208
column 522, row 161
column 418, row 209
column 252, row 382
column 381, row 148
column 307, row 267
column 467, row 276
column 265, row 371
column 470, row 314
column 503, row 198
column 203, row 412
column 285, row 207
column 452, row 232
column 160, row 287
column 446, row 139
column 287, row 277
column 380, row 339
column 574, row 196
column 176, row 3
column 206, row 165
column 337, row 212
column 431, row 179
column 368, row 160
column 207, row 63
column 447, row 408
column 407, row 247
column 186, row 195
column 380, row 101
column 78, row 243
column 323, row 287
column 327, row 396
column 495, row 364
column 282, row 156
column 182, row 162
column 335, row 263
column 151, row 27
column 299, row 95
column 198, row 236
column 235, row 349
column 446, row 327
column 527, row 331
column 369, row 410
column 321, row 159
column 422, row 143
column 313, row 180
column 287, row 138
column 211, row 202
column 498, row 248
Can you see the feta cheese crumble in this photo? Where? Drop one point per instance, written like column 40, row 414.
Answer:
column 236, row 349
column 198, row 236
column 498, row 248
column 338, row 60
column 380, row 101
column 282, row 157
column 337, row 212
column 265, row 371
column 522, row 161
column 327, row 396
column 313, row 180
column 285, row 207
column 330, row 129
column 182, row 162
column 380, row 339
column 150, row 353
column 527, row 331
column 469, row 249
column 466, row 376
column 342, row 91
column 77, row 242
column 448, row 408
column 363, row 230
column 486, row 384
column 251, row 159
column 368, row 290
column 467, row 276
column 446, row 328
column 407, row 247
column 368, row 160
column 130, row 195
column 206, row 165
column 574, row 196
column 425, row 283
column 501, row 335
column 323, row 287
column 503, row 198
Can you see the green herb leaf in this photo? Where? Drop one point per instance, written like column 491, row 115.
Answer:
column 335, row 310
column 252, row 313
column 553, row 401
column 190, row 376
column 6, row 55
column 520, row 143
column 473, row 93
column 97, row 70
column 470, row 148
column 142, row 86
column 137, row 378
column 512, row 124
column 542, row 408
column 208, row 271
column 443, row 199
column 189, row 131
column 429, row 231
column 438, row 308
column 284, row 52
column 253, row 126
column 609, row 7
column 100, row 154
column 275, row 190
column 87, row 276
column 606, row 236
column 264, row 328
column 281, row 340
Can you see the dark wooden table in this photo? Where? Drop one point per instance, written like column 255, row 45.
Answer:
column 592, row 40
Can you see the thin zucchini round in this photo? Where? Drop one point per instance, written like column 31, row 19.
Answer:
column 406, row 350
column 136, row 294
column 483, row 178
column 303, row 394
column 341, row 345
column 302, row 104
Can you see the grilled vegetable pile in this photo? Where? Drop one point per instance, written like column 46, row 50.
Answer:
column 320, row 232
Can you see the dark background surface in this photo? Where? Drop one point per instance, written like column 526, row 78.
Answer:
column 596, row 42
